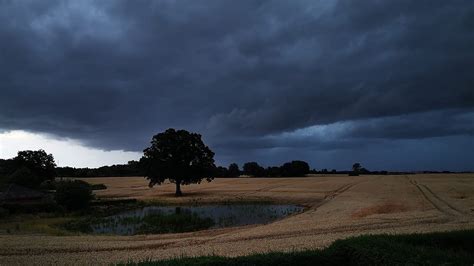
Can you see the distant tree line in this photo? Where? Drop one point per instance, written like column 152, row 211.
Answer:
column 289, row 169
column 132, row 168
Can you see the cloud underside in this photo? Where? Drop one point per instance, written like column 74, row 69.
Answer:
column 247, row 75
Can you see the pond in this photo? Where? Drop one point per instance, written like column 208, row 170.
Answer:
column 167, row 219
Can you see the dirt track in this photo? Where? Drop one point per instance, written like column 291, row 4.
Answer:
column 338, row 207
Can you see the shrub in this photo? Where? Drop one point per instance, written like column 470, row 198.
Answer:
column 4, row 212
column 48, row 185
column 74, row 194
column 24, row 177
column 32, row 207
column 98, row 186
column 52, row 185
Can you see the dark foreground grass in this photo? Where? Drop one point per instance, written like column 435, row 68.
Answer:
column 448, row 248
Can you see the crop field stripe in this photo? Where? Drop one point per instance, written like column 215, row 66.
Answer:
column 437, row 202
column 459, row 212
column 350, row 228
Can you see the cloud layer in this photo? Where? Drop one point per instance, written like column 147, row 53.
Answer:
column 253, row 77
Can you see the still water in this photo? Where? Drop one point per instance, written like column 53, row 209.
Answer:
column 127, row 223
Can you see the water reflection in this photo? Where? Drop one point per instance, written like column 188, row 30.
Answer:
column 127, row 223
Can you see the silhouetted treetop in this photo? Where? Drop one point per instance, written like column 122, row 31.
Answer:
column 39, row 164
column 253, row 169
column 294, row 168
column 234, row 170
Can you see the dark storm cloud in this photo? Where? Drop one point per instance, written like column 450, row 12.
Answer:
column 420, row 125
column 349, row 135
column 243, row 73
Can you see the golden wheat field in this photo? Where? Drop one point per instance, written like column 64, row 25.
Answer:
column 337, row 207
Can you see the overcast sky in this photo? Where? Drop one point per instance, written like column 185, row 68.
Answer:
column 389, row 84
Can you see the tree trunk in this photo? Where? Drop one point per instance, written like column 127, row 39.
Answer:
column 178, row 189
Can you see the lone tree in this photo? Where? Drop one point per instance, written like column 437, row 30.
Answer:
column 356, row 169
column 179, row 156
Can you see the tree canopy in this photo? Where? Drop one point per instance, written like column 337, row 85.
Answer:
column 33, row 167
column 356, row 167
column 234, row 170
column 253, row 169
column 179, row 156
column 73, row 194
column 294, row 168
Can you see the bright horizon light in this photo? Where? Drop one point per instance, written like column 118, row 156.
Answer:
column 66, row 152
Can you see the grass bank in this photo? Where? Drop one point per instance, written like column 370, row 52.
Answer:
column 447, row 248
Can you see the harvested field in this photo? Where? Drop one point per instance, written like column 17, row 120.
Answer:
column 338, row 207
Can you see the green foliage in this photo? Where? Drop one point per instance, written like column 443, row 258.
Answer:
column 7, row 167
column 448, row 248
column 289, row 169
column 234, row 170
column 33, row 207
column 132, row 168
column 98, row 186
column 24, row 177
column 451, row 248
column 253, row 169
column 294, row 168
column 3, row 212
column 52, row 185
column 180, row 156
column 28, row 168
column 74, row 194
column 82, row 225
column 40, row 163
column 48, row 185
column 356, row 169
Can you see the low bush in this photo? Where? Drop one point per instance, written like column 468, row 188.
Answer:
column 98, row 186
column 3, row 212
column 52, row 185
column 33, row 207
column 24, row 177
column 82, row 225
column 48, row 185
column 73, row 194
